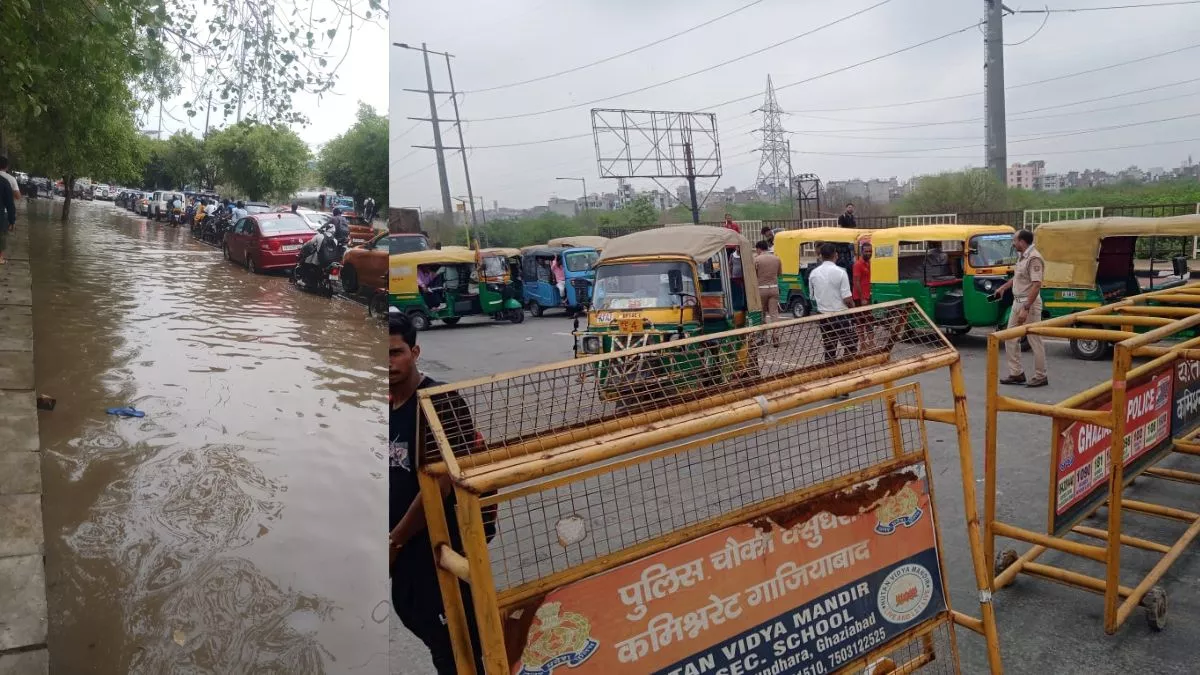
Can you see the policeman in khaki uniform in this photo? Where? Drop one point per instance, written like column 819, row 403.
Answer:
column 1027, row 308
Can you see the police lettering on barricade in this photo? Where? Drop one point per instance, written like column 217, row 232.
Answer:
column 744, row 526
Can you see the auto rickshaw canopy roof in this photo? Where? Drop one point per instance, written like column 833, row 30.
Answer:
column 916, row 233
column 445, row 256
column 501, row 250
column 699, row 242
column 885, row 264
column 580, row 241
column 835, row 235
column 1071, row 248
column 539, row 251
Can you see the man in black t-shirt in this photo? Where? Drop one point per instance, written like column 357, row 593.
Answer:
column 847, row 218
column 416, row 595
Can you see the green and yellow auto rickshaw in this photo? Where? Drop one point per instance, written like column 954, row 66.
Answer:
column 667, row 284
column 797, row 251
column 1092, row 262
column 950, row 270
column 447, row 285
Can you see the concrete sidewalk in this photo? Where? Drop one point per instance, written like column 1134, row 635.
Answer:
column 22, row 569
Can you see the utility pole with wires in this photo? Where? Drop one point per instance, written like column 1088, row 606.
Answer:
column 996, row 135
column 773, row 166
column 207, row 112
column 438, row 147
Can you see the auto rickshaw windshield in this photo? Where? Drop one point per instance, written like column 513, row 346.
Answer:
column 581, row 261
column 640, row 285
column 992, row 250
column 495, row 266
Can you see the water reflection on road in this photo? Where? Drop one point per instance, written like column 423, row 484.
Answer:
column 237, row 528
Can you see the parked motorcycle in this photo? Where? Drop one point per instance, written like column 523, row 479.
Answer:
column 319, row 267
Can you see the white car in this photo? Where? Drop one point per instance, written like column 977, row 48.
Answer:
column 160, row 203
column 100, row 191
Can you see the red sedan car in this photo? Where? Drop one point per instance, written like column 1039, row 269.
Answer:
column 267, row 241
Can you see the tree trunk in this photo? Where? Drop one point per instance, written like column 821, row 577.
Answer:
column 68, row 190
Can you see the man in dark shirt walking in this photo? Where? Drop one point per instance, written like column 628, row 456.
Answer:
column 416, row 596
column 847, row 218
column 8, row 210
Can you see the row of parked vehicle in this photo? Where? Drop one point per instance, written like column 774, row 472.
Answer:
column 452, row 282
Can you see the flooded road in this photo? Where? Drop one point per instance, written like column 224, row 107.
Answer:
column 237, row 527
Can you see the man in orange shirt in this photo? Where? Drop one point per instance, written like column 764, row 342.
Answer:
column 862, row 276
column 730, row 225
column 861, row 284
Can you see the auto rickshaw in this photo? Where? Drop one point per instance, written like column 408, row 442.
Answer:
column 666, row 284
column 580, row 241
column 539, row 290
column 455, row 284
column 954, row 289
column 1091, row 263
column 797, row 250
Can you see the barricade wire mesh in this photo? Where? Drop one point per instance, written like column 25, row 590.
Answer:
column 635, row 503
column 937, row 644
column 510, row 416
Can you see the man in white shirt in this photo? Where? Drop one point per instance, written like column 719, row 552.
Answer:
column 830, row 288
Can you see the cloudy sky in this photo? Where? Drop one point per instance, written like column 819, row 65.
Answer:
column 843, row 125
column 358, row 79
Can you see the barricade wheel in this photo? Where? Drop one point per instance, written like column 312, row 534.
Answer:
column 1155, row 603
column 1005, row 560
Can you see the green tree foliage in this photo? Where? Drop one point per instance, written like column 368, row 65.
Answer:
column 529, row 231
column 356, row 162
column 974, row 190
column 261, row 160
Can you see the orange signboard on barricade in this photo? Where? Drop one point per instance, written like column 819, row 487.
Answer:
column 807, row 596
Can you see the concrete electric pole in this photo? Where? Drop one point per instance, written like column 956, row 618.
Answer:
column 437, row 146
column 993, row 112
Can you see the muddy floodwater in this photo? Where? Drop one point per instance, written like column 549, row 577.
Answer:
column 239, row 526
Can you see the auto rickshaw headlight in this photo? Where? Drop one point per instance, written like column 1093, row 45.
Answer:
column 987, row 286
column 591, row 344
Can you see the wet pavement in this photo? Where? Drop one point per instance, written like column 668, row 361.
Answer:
column 238, row 526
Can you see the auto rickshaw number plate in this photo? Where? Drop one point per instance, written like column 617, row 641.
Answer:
column 629, row 325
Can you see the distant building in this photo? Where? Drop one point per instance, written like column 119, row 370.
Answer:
column 1050, row 182
column 875, row 190
column 1026, row 176
column 563, row 207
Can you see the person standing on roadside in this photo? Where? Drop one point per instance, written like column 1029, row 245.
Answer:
column 768, row 235
column 830, row 286
column 861, row 285
column 767, row 267
column 416, row 596
column 847, row 218
column 8, row 211
column 1026, row 285
column 730, row 225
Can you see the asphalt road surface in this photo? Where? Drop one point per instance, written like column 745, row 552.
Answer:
column 1044, row 627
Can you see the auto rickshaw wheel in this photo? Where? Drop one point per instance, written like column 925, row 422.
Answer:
column 1090, row 350
column 535, row 308
column 799, row 308
column 451, row 320
column 419, row 319
column 516, row 315
column 349, row 279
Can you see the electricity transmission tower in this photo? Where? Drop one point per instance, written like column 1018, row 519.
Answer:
column 774, row 169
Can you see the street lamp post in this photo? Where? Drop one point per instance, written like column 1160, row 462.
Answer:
column 585, row 192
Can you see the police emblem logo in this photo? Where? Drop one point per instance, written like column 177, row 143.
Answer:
column 902, row 508
column 556, row 639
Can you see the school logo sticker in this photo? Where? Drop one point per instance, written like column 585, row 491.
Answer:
column 905, row 593
column 896, row 510
column 557, row 639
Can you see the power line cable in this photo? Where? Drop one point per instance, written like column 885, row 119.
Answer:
column 971, row 120
column 1039, row 137
column 620, row 55
column 743, row 98
column 680, row 78
column 939, row 99
column 1149, row 5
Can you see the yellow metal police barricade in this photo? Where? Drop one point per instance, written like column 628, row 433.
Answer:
column 725, row 517
column 1142, row 414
